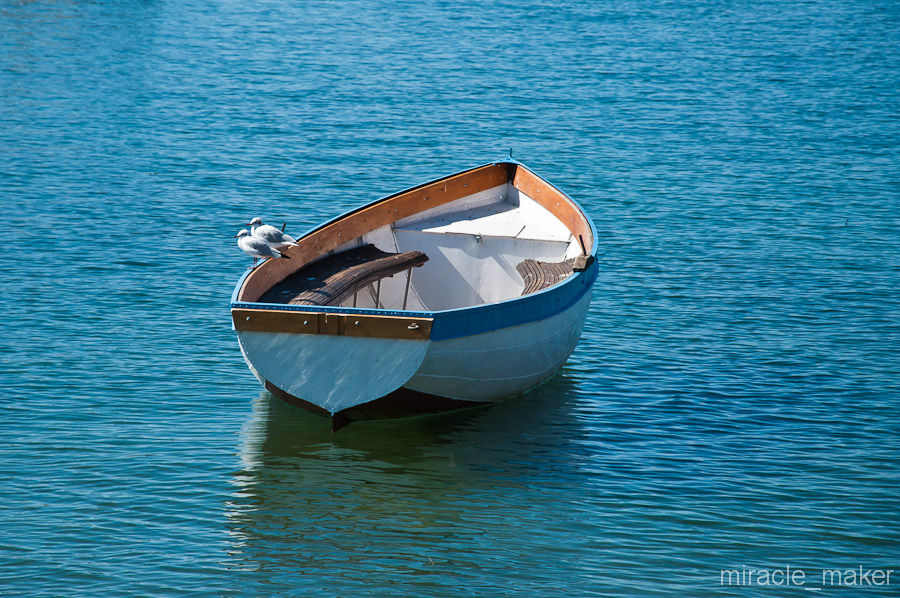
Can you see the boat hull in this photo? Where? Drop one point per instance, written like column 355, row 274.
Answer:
column 515, row 253
column 438, row 374
column 490, row 366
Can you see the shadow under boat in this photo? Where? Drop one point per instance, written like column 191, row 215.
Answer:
column 400, row 403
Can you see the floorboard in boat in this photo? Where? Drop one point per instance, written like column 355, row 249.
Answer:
column 540, row 275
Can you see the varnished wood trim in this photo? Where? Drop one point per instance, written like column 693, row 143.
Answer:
column 387, row 327
column 325, row 239
column 582, row 263
column 266, row 320
column 332, row 324
column 300, row 322
column 555, row 201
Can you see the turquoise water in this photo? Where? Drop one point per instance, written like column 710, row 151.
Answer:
column 733, row 401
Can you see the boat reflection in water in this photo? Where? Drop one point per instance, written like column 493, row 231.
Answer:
column 430, row 496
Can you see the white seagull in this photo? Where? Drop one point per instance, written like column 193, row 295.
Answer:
column 271, row 235
column 256, row 247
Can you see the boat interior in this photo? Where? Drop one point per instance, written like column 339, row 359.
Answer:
column 485, row 235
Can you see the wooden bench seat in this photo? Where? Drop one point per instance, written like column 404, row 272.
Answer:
column 337, row 277
column 540, row 275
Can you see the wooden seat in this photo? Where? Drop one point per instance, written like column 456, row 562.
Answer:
column 540, row 275
column 333, row 279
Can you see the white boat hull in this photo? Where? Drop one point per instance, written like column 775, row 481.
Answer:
column 501, row 363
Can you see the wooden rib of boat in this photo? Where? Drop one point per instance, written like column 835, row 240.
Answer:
column 460, row 291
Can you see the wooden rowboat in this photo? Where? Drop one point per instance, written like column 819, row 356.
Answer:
column 460, row 291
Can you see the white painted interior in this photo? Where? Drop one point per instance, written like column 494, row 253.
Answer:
column 473, row 246
column 390, row 295
column 503, row 211
column 464, row 270
column 497, row 194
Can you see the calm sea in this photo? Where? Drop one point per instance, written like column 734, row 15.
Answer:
column 734, row 399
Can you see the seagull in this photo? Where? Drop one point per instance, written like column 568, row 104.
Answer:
column 256, row 247
column 271, row 235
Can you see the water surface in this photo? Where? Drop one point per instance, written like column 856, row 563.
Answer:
column 734, row 398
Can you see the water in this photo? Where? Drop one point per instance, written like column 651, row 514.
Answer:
column 734, row 398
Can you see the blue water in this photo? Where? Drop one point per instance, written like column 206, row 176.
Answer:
column 734, row 399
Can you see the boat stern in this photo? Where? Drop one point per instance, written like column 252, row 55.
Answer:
column 333, row 361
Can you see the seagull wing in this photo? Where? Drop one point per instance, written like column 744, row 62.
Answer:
column 268, row 233
column 255, row 247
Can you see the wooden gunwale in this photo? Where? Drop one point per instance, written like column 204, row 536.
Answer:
column 555, row 201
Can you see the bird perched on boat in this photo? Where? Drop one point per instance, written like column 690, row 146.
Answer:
column 271, row 235
column 256, row 247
